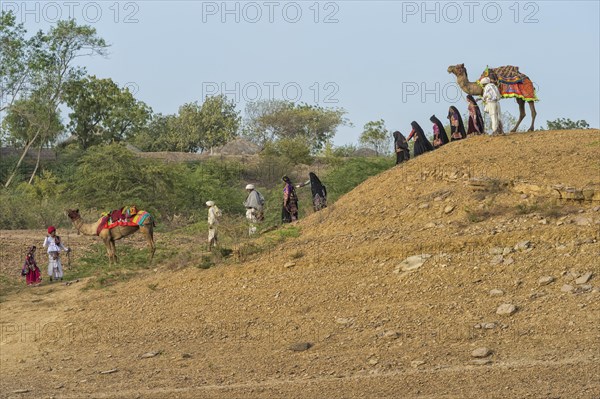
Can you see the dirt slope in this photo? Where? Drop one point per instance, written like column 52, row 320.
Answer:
column 373, row 330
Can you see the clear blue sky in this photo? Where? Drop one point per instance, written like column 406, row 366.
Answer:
column 376, row 59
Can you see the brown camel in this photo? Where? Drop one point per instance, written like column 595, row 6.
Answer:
column 474, row 89
column 109, row 236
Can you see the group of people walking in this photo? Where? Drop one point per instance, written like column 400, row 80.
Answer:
column 255, row 205
column 491, row 97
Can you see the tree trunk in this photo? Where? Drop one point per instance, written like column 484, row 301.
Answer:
column 14, row 172
column 37, row 164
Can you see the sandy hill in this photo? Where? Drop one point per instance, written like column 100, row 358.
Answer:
column 508, row 230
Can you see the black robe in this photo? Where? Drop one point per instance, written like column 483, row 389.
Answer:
column 461, row 126
column 476, row 125
column 401, row 148
column 319, row 192
column 443, row 134
column 422, row 145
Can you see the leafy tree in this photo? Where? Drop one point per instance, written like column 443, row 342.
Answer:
column 566, row 124
column 195, row 127
column 270, row 120
column 32, row 118
column 39, row 67
column 375, row 136
column 103, row 112
column 219, row 122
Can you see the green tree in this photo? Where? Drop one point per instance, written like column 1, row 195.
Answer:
column 39, row 67
column 28, row 119
column 270, row 120
column 102, row 112
column 375, row 136
column 219, row 122
column 566, row 124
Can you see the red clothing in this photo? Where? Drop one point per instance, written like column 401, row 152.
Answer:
column 33, row 272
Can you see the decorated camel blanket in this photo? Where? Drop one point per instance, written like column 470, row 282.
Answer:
column 511, row 82
column 127, row 216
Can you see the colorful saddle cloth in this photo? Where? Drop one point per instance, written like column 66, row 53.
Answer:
column 511, row 82
column 127, row 216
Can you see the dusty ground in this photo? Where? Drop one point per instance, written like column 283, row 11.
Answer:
column 230, row 331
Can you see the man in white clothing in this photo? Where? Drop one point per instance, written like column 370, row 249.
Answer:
column 213, row 214
column 55, row 246
column 491, row 99
column 254, row 205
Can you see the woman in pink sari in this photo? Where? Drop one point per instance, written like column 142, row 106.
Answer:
column 30, row 269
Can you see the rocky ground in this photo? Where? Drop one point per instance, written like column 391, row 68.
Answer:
column 468, row 272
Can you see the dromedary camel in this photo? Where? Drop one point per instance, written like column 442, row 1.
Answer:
column 109, row 236
column 474, row 89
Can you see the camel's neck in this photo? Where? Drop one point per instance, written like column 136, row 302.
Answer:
column 471, row 88
column 88, row 229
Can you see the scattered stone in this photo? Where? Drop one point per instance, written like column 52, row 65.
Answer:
column 523, row 245
column 489, row 326
column 148, row 355
column 343, row 320
column 543, row 221
column 59, row 386
column 584, row 278
column 567, row 288
column 497, row 259
column 477, row 326
column 412, row 263
column 508, row 261
column 416, row 363
column 582, row 221
column 481, row 362
column 301, row 346
column 481, row 352
column 373, row 362
column 506, row 251
column 289, row 264
column 596, row 208
column 507, row 309
column 496, row 292
column 560, row 223
column 524, row 196
column 186, row 356
column 438, row 199
column 391, row 335
column 448, row 209
column 111, row 371
column 545, row 280
column 21, row 391
column 496, row 251
column 424, row 206
column 430, row 225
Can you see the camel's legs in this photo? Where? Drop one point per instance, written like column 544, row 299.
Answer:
column 113, row 248
column 148, row 233
column 533, row 115
column 109, row 249
column 521, row 103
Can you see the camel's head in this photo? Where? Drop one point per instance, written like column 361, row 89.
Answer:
column 73, row 214
column 457, row 69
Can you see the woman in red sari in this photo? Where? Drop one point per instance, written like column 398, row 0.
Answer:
column 30, row 268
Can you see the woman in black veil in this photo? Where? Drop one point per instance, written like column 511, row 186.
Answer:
column 457, row 128
column 401, row 148
column 422, row 145
column 318, row 191
column 475, row 118
column 439, row 132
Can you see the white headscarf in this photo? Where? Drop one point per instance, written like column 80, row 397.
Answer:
column 485, row 81
column 250, row 187
column 210, row 203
